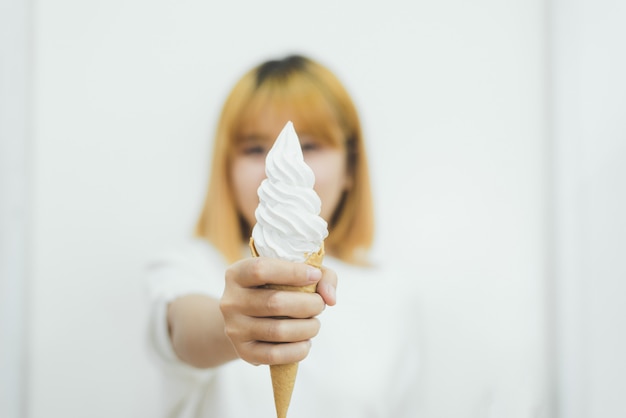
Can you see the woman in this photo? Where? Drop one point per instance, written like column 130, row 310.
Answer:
column 211, row 319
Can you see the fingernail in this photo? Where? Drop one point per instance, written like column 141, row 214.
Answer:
column 313, row 274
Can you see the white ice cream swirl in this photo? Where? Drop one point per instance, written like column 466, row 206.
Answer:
column 288, row 223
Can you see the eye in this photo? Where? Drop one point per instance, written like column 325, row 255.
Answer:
column 254, row 150
column 310, row 146
column 311, row 143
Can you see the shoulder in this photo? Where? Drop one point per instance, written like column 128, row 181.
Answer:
column 191, row 253
column 193, row 266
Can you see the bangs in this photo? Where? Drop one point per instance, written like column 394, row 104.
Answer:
column 299, row 99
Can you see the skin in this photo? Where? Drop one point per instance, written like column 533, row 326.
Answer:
column 208, row 332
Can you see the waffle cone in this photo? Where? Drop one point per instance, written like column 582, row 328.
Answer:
column 284, row 375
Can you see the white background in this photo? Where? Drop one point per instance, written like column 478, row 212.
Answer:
column 495, row 138
column 590, row 201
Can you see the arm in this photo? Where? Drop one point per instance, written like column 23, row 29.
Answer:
column 196, row 328
column 207, row 332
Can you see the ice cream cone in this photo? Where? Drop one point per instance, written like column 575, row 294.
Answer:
column 284, row 375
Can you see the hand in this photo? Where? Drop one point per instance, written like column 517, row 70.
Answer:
column 251, row 312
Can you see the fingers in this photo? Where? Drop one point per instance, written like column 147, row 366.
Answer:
column 278, row 303
column 252, row 312
column 272, row 330
column 271, row 341
column 257, row 352
column 327, row 287
column 259, row 271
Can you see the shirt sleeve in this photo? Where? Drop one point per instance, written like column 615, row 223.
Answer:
column 194, row 268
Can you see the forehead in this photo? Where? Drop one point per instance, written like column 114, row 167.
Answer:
column 264, row 117
column 267, row 123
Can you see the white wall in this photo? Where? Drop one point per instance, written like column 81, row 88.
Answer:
column 15, row 76
column 453, row 101
column 590, row 132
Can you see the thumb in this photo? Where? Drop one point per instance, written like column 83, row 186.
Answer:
column 327, row 286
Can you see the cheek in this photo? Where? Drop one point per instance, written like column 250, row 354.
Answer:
column 246, row 176
column 330, row 181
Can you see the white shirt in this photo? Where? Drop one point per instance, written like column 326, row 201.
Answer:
column 363, row 362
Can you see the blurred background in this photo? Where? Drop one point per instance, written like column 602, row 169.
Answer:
column 497, row 138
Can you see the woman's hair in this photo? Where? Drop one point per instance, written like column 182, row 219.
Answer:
column 325, row 109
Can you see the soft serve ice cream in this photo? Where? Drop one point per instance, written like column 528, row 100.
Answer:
column 288, row 227
column 288, row 223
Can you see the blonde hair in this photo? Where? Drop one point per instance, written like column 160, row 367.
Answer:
column 325, row 107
